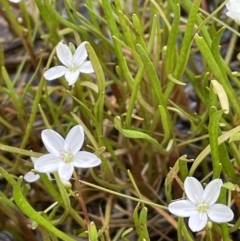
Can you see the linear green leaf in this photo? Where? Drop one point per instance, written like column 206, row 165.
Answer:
column 215, row 68
column 207, row 149
column 138, row 135
column 22, row 203
column 143, row 224
column 213, row 129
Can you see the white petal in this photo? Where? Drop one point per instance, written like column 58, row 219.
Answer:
column 14, row 1
column 55, row 72
column 86, row 67
column 74, row 139
column 197, row 221
column 233, row 5
column 64, row 54
column 193, row 189
column 53, row 142
column 182, row 208
column 220, row 213
column 65, row 171
column 84, row 159
column 233, row 15
column 72, row 77
column 47, row 163
column 212, row 191
column 31, row 177
column 33, row 159
column 80, row 54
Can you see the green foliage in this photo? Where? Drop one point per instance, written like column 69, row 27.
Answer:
column 162, row 104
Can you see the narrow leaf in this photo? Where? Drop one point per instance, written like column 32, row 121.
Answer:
column 22, row 203
column 222, row 96
column 138, row 135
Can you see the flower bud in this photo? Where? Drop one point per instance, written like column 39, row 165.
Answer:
column 68, row 185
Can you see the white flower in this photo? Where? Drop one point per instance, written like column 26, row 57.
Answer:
column 31, row 176
column 200, row 205
column 233, row 7
column 14, row 1
column 64, row 155
column 73, row 64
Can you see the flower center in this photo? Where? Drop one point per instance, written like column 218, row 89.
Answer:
column 67, row 156
column 202, row 207
column 73, row 67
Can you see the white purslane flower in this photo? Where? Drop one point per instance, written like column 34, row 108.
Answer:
column 233, row 7
column 73, row 64
column 201, row 205
column 64, row 155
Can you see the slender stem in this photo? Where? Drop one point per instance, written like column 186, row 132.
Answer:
column 79, row 197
